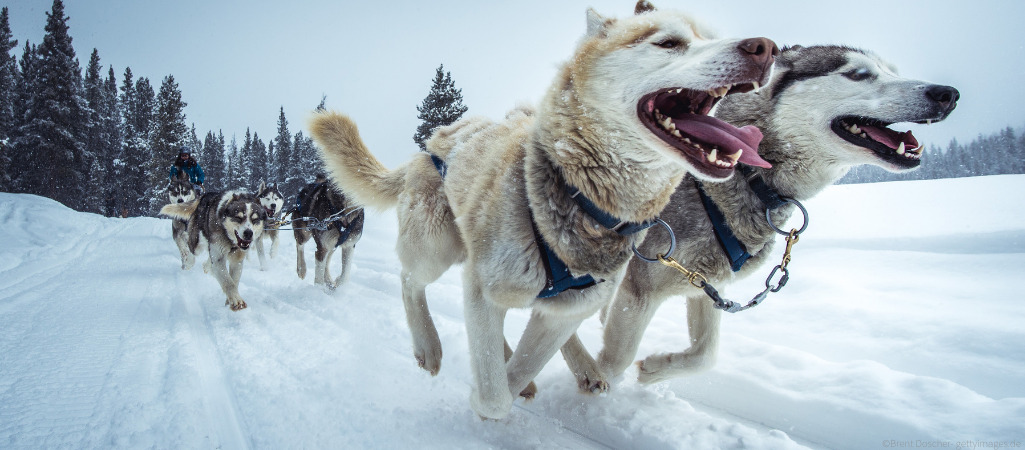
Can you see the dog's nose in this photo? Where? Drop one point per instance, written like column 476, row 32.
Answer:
column 762, row 50
column 181, row 200
column 946, row 96
column 247, row 235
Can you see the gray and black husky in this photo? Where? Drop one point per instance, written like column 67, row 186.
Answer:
column 323, row 213
column 226, row 224
column 825, row 110
column 180, row 190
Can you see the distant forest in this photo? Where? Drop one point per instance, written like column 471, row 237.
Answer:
column 101, row 144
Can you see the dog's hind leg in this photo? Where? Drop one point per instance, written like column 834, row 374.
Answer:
column 301, row 236
column 703, row 324
column 589, row 376
column 322, row 259
column 544, row 335
column 530, row 391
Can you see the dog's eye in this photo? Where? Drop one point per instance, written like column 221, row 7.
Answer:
column 858, row 75
column 669, row 43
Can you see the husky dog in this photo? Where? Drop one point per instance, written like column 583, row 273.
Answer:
column 180, row 190
column 272, row 201
column 323, row 213
column 226, row 224
column 555, row 198
column 827, row 109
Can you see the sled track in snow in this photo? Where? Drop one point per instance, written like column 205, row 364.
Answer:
column 219, row 397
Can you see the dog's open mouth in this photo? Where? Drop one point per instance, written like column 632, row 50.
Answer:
column 680, row 117
column 896, row 147
column 242, row 242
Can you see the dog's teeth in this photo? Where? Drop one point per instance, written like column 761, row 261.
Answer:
column 900, row 149
column 679, row 90
column 687, row 140
column 736, row 156
column 712, row 156
column 863, row 135
column 677, row 133
column 928, row 121
column 854, row 129
column 756, row 85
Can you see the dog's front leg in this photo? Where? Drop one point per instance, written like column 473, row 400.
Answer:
column 703, row 325
column 273, row 244
column 589, row 376
column 225, row 276
column 628, row 316
column 544, row 335
column 490, row 398
column 259, row 253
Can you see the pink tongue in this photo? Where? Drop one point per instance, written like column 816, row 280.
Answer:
column 726, row 137
column 891, row 138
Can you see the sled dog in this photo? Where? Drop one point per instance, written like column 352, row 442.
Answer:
column 272, row 201
column 226, row 224
column 555, row 197
column 180, row 190
column 323, row 213
column 826, row 110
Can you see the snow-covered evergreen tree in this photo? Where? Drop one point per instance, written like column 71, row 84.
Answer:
column 137, row 109
column 235, row 178
column 95, row 140
column 282, row 155
column 112, row 135
column 168, row 134
column 8, row 94
column 213, row 161
column 442, row 106
column 51, row 151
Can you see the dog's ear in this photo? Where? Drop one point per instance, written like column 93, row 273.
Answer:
column 597, row 26
column 263, row 185
column 642, row 7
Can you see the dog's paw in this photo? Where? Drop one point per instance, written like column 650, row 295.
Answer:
column 236, row 304
column 654, row 368
column 494, row 409
column 432, row 365
column 528, row 393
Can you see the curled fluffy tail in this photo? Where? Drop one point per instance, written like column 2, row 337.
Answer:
column 351, row 166
column 183, row 211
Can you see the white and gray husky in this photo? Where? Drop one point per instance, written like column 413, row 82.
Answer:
column 826, row 110
column 556, row 197
column 272, row 201
column 226, row 224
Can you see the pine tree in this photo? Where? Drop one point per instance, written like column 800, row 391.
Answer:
column 282, row 154
column 235, row 177
column 137, row 109
column 8, row 84
column 112, row 136
column 95, row 139
column 213, row 161
column 259, row 163
column 168, row 135
column 52, row 150
column 24, row 87
column 443, row 105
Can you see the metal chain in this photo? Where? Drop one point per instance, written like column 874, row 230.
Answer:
column 313, row 223
column 699, row 281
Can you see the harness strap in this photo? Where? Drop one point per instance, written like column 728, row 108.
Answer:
column 558, row 278
column 735, row 250
column 604, row 218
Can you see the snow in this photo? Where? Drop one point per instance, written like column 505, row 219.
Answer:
column 901, row 326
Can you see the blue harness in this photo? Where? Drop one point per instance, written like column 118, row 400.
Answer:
column 735, row 250
column 558, row 278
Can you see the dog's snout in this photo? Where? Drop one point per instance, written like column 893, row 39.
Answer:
column 181, row 200
column 762, row 50
column 946, row 96
column 247, row 235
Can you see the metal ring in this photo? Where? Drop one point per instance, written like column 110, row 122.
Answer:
column 768, row 217
column 672, row 243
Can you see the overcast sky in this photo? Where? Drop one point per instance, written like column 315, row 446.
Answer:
column 237, row 62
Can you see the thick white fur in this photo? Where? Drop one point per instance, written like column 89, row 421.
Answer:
column 586, row 133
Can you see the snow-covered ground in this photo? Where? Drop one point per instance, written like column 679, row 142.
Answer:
column 902, row 326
